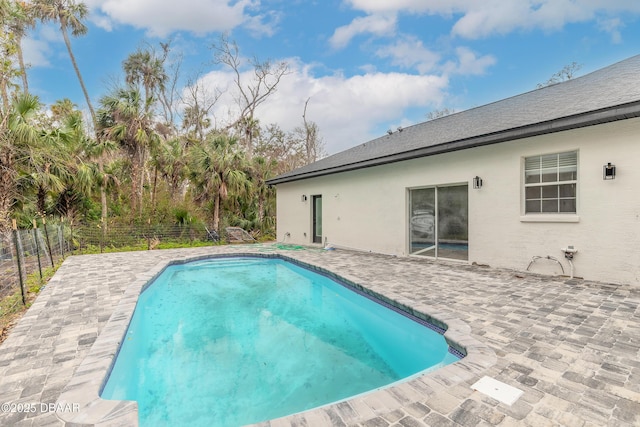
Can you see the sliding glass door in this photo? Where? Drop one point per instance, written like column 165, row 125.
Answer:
column 438, row 222
column 422, row 221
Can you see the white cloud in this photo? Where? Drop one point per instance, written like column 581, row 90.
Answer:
column 162, row 17
column 468, row 63
column 101, row 21
column 411, row 6
column 499, row 17
column 482, row 18
column 371, row 100
column 264, row 24
column 409, row 52
column 380, row 25
column 50, row 33
column 612, row 26
column 36, row 48
column 35, row 52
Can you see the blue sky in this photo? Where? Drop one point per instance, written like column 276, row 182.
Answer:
column 365, row 65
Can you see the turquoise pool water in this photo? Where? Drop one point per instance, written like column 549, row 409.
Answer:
column 234, row 341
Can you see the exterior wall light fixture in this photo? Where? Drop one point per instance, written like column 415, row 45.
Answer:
column 477, row 182
column 303, row 198
column 609, row 171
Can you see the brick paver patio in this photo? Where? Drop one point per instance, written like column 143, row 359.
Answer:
column 572, row 346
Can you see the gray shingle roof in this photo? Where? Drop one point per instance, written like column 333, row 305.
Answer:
column 608, row 94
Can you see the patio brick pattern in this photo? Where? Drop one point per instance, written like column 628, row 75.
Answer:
column 572, row 346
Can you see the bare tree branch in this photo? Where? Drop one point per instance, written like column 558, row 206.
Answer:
column 566, row 73
column 313, row 143
column 249, row 94
column 199, row 102
column 436, row 114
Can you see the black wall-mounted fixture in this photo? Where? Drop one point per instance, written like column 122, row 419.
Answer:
column 303, row 198
column 477, row 182
column 609, row 171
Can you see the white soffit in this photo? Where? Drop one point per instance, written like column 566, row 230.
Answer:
column 497, row 390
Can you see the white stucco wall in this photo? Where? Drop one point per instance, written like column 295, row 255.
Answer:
column 367, row 209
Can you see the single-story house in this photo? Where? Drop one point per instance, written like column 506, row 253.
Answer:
column 548, row 181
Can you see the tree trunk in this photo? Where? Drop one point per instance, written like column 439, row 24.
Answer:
column 103, row 190
column 5, row 102
column 260, row 208
column 249, row 138
column 65, row 35
column 5, row 210
column 41, row 200
column 174, row 187
column 23, row 68
column 154, row 189
column 141, row 171
column 94, row 121
column 216, row 213
column 7, row 182
column 135, row 181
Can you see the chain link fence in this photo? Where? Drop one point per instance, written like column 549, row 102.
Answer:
column 25, row 252
column 99, row 237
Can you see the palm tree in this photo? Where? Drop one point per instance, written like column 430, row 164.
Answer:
column 142, row 67
column 62, row 109
column 8, row 71
column 248, row 128
column 169, row 159
column 146, row 69
column 124, row 119
column 79, row 183
column 19, row 134
column 69, row 15
column 99, row 149
column 217, row 169
column 19, row 18
column 195, row 123
column 261, row 170
column 46, row 169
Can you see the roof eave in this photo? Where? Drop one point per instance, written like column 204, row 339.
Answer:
column 610, row 114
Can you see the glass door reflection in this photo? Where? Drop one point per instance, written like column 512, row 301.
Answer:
column 438, row 222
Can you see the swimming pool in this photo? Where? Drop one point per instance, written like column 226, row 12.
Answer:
column 234, row 341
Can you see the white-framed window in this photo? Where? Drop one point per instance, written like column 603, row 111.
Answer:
column 550, row 183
